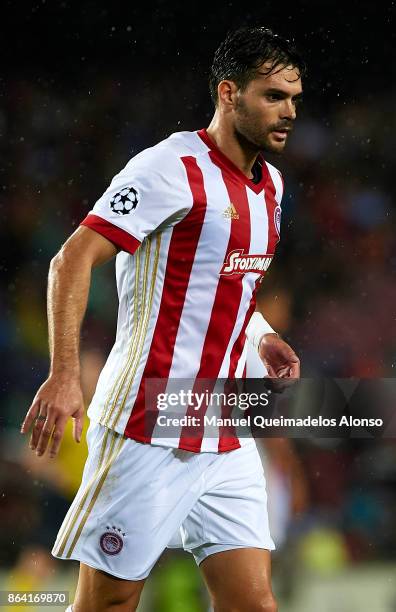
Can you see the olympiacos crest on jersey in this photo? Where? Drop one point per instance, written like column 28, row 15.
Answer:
column 277, row 219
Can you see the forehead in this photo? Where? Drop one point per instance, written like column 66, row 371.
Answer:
column 285, row 78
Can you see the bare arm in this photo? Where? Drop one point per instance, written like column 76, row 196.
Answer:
column 68, row 286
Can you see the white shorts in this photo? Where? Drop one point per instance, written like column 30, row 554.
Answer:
column 136, row 499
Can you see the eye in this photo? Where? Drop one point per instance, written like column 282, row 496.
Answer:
column 273, row 97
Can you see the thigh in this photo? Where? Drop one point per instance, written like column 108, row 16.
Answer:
column 132, row 499
column 233, row 509
column 239, row 579
column 98, row 591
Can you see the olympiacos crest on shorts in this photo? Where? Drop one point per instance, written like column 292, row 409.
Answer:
column 111, row 542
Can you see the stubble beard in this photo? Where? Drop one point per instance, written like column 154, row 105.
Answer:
column 250, row 134
column 256, row 142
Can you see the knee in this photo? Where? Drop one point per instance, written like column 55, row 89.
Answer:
column 265, row 604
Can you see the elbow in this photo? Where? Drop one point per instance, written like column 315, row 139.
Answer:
column 58, row 260
column 56, row 268
column 65, row 257
column 70, row 258
column 55, row 263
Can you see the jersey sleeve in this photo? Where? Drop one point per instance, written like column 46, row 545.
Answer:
column 147, row 195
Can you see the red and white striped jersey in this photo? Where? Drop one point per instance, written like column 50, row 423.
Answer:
column 196, row 237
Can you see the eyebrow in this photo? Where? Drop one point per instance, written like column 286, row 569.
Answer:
column 273, row 90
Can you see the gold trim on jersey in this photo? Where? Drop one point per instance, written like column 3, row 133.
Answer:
column 144, row 327
column 136, row 337
column 140, row 326
column 134, row 330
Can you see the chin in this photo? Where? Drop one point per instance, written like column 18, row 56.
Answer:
column 274, row 147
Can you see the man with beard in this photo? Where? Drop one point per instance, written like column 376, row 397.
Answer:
column 194, row 222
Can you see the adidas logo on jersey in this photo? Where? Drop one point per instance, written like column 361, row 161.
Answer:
column 238, row 263
column 231, row 212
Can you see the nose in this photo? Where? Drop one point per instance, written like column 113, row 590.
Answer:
column 288, row 109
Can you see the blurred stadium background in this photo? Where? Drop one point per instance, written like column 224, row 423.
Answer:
column 86, row 85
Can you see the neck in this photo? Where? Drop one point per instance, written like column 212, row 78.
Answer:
column 227, row 141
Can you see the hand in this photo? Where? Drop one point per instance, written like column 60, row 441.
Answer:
column 278, row 357
column 59, row 398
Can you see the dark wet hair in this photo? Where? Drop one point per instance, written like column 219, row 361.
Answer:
column 244, row 50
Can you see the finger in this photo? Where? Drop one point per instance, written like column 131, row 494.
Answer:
column 295, row 370
column 57, row 436
column 45, row 433
column 270, row 370
column 78, row 423
column 37, row 427
column 30, row 416
column 283, row 372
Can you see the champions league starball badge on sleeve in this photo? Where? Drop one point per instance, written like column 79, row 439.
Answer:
column 125, row 201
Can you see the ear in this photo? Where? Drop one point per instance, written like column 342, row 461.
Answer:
column 226, row 92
